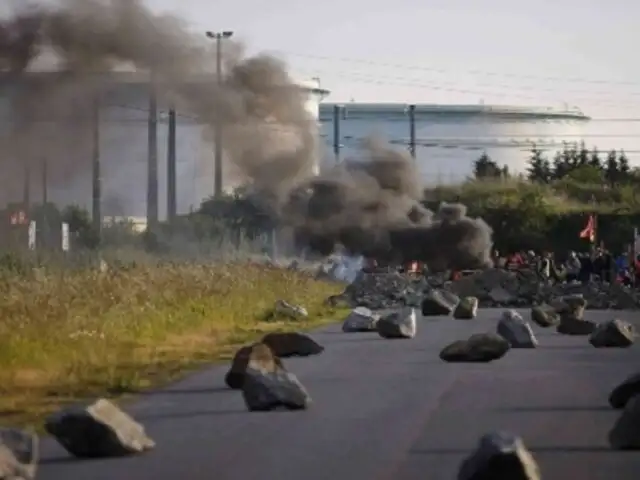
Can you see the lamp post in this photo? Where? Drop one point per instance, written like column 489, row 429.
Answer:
column 218, row 37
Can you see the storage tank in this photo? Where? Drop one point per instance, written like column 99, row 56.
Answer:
column 449, row 138
column 123, row 148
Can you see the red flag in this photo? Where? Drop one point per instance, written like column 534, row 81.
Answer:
column 590, row 230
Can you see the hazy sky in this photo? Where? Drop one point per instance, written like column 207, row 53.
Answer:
column 549, row 52
column 445, row 51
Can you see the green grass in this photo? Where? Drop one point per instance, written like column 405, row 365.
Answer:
column 67, row 335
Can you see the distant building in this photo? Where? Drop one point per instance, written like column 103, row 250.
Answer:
column 124, row 147
column 449, row 138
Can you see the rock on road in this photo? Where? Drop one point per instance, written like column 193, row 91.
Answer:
column 386, row 409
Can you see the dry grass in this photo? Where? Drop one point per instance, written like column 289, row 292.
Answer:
column 67, row 335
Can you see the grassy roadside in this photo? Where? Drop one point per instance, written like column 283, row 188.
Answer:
column 70, row 335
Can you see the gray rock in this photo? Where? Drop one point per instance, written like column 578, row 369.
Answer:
column 621, row 394
column 100, row 429
column 481, row 347
column 614, row 333
column 291, row 344
column 500, row 456
column 270, row 387
column 500, row 296
column 258, row 352
column 625, row 434
column 19, row 454
column 516, row 331
column 571, row 305
column 449, row 297
column 435, row 304
column 466, row 309
column 294, row 312
column 400, row 324
column 544, row 316
column 361, row 319
column 570, row 324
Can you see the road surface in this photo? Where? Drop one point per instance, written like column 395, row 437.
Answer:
column 386, row 409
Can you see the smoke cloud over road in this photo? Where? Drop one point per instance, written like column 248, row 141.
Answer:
column 370, row 205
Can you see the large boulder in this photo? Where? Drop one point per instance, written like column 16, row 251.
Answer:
column 499, row 456
column 258, row 352
column 19, row 454
column 621, row 394
column 513, row 328
column 571, row 324
column 614, row 333
column 480, row 347
column 466, row 309
column 435, row 304
column 544, row 316
column 574, row 305
column 625, row 434
column 361, row 319
column 268, row 386
column 292, row 344
column 99, row 429
column 400, row 324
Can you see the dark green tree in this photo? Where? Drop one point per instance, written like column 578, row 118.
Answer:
column 539, row 170
column 624, row 169
column 583, row 155
column 560, row 167
column 611, row 173
column 594, row 158
column 484, row 168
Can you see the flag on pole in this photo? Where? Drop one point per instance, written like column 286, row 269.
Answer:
column 589, row 231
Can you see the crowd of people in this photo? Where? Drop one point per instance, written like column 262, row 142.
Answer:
column 597, row 265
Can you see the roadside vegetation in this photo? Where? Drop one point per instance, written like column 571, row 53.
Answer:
column 69, row 334
column 547, row 206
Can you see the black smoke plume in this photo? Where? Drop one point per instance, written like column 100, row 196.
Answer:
column 369, row 205
column 372, row 206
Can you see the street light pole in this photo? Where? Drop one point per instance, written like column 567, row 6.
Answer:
column 218, row 184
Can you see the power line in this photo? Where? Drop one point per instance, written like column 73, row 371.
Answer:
column 406, row 82
column 443, row 70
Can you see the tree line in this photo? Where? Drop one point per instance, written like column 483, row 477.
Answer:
column 572, row 162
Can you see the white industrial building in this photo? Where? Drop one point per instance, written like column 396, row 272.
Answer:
column 123, row 150
column 449, row 138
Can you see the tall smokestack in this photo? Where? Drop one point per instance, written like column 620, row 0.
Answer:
column 152, row 165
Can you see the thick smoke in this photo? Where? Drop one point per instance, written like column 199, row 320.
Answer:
column 372, row 206
column 369, row 205
column 268, row 133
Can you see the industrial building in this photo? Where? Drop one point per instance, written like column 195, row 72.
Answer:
column 449, row 138
column 123, row 148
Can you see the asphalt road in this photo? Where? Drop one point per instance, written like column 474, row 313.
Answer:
column 386, row 409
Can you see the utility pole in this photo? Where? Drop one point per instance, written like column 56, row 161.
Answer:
column 412, row 131
column 218, row 183
column 336, row 132
column 171, row 168
column 26, row 192
column 96, row 175
column 45, row 183
column 152, row 161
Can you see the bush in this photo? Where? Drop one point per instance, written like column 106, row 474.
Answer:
column 550, row 216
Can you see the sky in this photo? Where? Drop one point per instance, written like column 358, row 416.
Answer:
column 551, row 53
column 578, row 52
